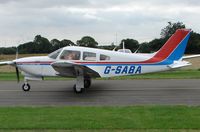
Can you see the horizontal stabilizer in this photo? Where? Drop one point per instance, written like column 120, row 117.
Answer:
column 179, row 64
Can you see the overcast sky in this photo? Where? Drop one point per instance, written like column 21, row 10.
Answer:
column 21, row 20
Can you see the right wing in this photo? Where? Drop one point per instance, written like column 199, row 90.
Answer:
column 190, row 56
column 70, row 69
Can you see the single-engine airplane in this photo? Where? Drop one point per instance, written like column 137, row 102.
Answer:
column 86, row 63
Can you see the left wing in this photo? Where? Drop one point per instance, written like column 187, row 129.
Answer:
column 190, row 56
column 70, row 69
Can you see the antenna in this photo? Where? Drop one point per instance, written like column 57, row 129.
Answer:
column 138, row 48
column 123, row 46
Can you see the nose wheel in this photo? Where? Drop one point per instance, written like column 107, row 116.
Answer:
column 26, row 87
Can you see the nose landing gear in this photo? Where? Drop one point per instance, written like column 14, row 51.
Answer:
column 26, row 87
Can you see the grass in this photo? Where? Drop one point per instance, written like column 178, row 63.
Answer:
column 180, row 74
column 100, row 118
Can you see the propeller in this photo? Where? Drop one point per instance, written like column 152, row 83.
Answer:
column 17, row 73
column 16, row 68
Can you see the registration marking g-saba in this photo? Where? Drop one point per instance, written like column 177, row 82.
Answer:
column 127, row 69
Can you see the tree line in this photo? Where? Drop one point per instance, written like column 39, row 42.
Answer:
column 43, row 45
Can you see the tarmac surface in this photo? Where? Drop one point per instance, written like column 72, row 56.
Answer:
column 103, row 92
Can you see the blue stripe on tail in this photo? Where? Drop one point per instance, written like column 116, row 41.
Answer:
column 180, row 50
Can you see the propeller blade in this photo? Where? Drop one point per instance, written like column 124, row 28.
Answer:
column 17, row 73
column 17, row 52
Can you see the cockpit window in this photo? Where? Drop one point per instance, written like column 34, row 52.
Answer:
column 89, row 56
column 70, row 55
column 55, row 54
column 104, row 57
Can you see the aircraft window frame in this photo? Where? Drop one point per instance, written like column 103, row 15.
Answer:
column 70, row 55
column 104, row 57
column 88, row 56
column 55, row 54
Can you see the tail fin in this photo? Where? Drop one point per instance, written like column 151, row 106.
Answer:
column 175, row 47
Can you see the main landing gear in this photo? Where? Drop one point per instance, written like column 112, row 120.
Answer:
column 82, row 84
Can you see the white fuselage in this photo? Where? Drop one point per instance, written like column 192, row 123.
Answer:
column 118, row 64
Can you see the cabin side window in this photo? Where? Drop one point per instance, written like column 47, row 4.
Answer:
column 104, row 57
column 70, row 55
column 89, row 56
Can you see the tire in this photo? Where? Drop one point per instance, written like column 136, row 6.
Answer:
column 26, row 87
column 77, row 90
column 87, row 83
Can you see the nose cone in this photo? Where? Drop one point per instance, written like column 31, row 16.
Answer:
column 31, row 59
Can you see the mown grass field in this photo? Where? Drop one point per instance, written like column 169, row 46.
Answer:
column 101, row 118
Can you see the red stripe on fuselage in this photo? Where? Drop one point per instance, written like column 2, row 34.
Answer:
column 35, row 62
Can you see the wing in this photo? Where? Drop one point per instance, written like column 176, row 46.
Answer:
column 70, row 69
column 6, row 63
column 190, row 56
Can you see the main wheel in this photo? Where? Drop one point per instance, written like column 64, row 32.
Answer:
column 87, row 83
column 77, row 90
column 26, row 87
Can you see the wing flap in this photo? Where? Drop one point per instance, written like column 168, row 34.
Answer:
column 68, row 69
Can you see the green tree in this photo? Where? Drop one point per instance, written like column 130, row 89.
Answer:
column 8, row 50
column 166, row 33
column 66, row 42
column 43, row 44
column 87, row 41
column 131, row 44
column 193, row 46
column 59, row 44
column 170, row 29
column 56, row 44
column 27, row 48
column 144, row 48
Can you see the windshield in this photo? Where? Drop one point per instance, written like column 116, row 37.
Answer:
column 55, row 54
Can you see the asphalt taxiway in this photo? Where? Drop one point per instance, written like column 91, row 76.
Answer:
column 103, row 92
